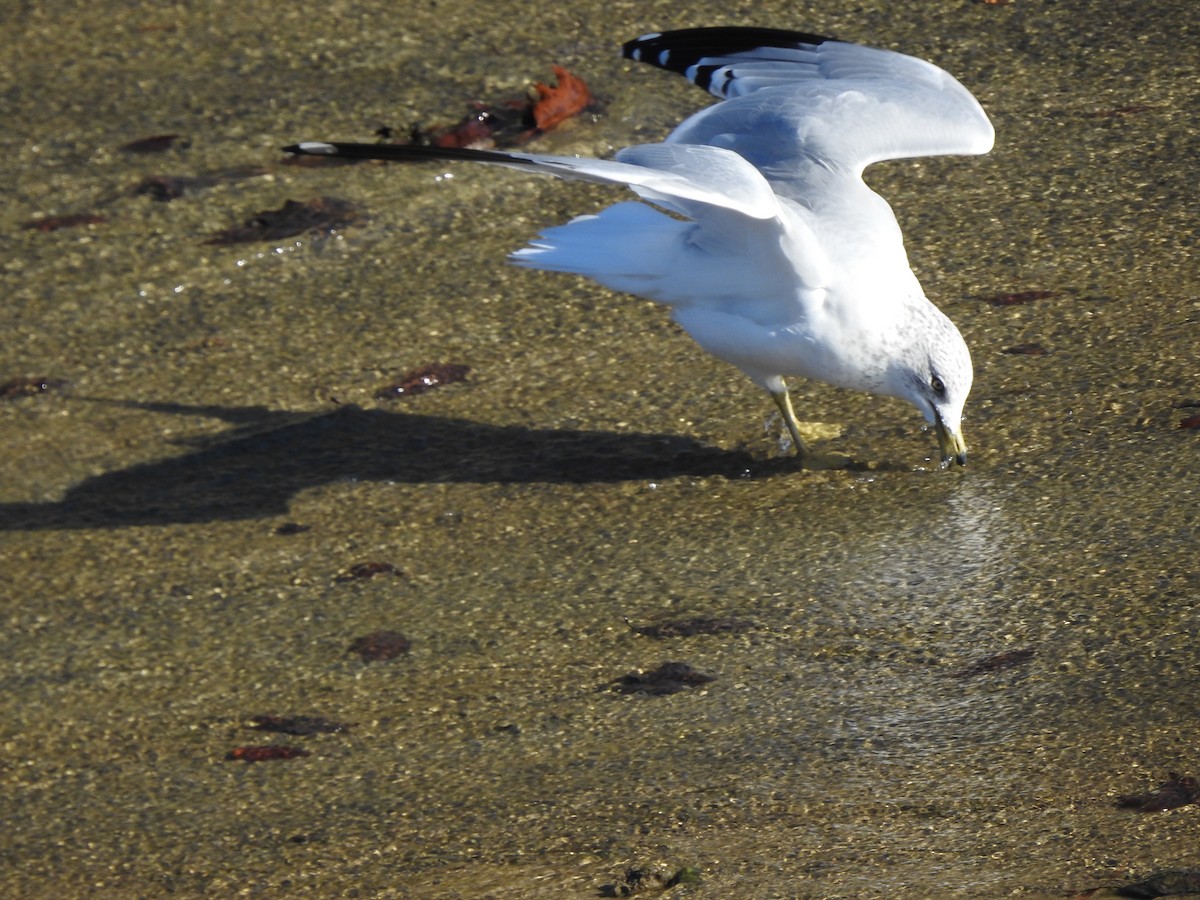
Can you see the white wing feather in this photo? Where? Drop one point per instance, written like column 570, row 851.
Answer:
column 844, row 104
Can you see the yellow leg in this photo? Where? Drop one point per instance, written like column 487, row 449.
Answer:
column 784, row 402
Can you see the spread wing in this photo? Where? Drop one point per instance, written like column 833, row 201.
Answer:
column 791, row 97
column 767, row 180
column 733, row 223
column 680, row 179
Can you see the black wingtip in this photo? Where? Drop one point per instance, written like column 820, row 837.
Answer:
column 401, row 152
column 676, row 50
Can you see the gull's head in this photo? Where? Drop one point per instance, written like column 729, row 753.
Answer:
column 934, row 374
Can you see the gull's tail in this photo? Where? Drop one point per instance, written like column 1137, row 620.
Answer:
column 627, row 247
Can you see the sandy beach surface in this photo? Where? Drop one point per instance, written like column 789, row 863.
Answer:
column 925, row 683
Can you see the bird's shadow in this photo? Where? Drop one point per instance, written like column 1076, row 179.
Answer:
column 253, row 470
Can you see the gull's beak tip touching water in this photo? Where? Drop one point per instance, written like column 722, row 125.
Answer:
column 753, row 224
column 951, row 442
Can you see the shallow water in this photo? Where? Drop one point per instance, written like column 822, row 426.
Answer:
column 595, row 466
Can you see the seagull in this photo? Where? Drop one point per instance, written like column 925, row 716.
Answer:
column 754, row 225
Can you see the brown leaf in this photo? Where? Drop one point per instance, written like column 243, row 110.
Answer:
column 424, row 378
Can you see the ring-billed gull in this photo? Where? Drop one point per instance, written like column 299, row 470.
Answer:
column 778, row 258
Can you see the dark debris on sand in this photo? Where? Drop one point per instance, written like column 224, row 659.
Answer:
column 1178, row 790
column 669, row 678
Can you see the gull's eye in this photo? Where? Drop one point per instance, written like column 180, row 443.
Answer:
column 939, row 387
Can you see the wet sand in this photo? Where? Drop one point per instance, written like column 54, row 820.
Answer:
column 180, row 514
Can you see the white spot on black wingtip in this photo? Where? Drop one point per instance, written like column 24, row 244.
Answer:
column 633, row 49
column 317, row 148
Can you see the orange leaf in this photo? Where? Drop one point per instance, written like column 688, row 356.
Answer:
column 558, row 103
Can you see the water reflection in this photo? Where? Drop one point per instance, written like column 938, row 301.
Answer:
column 915, row 592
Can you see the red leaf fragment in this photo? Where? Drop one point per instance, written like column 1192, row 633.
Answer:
column 1190, row 422
column 482, row 129
column 1178, row 790
column 424, row 378
column 380, row 645
column 266, row 752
